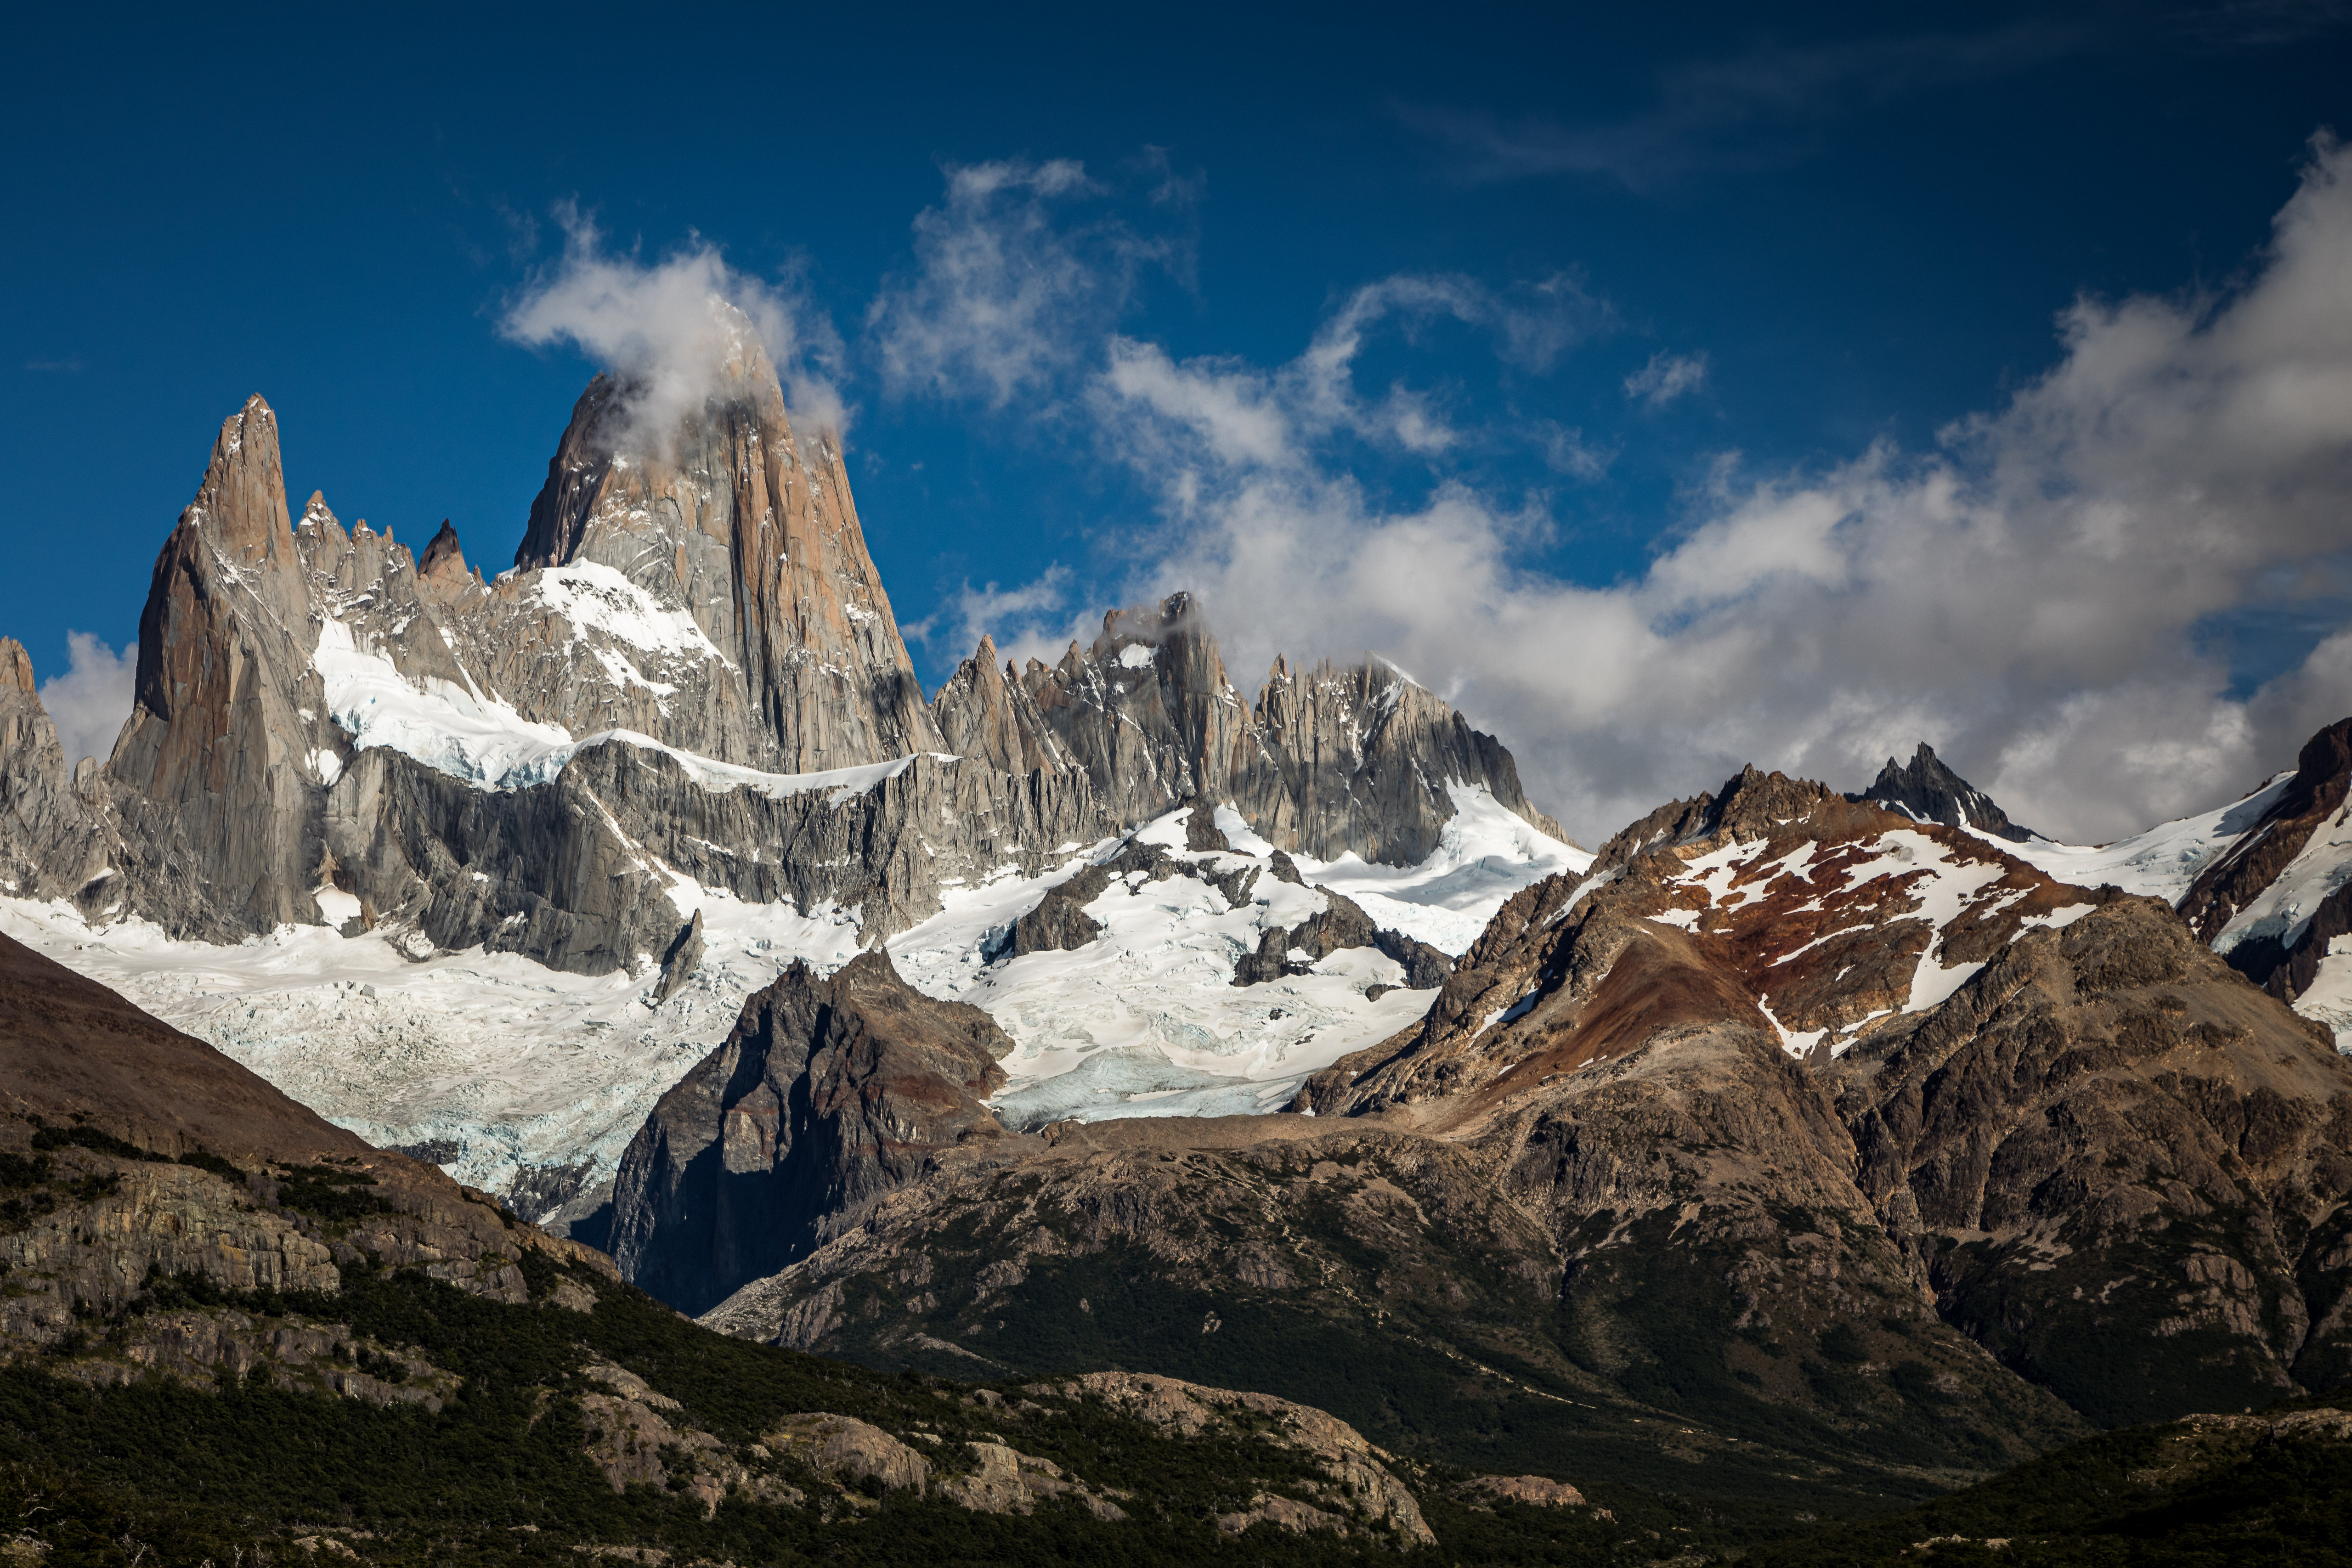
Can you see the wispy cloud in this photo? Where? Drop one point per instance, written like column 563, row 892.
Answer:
column 54, row 367
column 1031, row 620
column 1021, row 268
column 1751, row 108
column 1667, row 377
column 90, row 701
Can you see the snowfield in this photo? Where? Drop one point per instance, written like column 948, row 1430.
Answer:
column 2161, row 862
column 497, row 1068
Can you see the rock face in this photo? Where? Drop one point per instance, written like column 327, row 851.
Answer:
column 2275, row 900
column 1355, row 1481
column 728, row 518
column 2126, row 1170
column 1932, row 792
column 2240, row 874
column 49, row 845
column 129, row 1150
column 1327, row 761
column 212, row 776
column 829, row 1093
column 1778, row 1120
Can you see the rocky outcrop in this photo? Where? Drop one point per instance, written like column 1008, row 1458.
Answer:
column 829, row 1093
column 1929, row 791
column 2323, row 772
column 1003, row 1480
column 2125, row 1168
column 51, row 843
column 576, row 873
column 131, row 1153
column 219, row 799
column 989, row 716
column 1357, row 1482
column 678, row 964
column 2274, row 901
column 851, row 1450
column 728, row 517
column 1536, row 1491
column 638, row 1437
column 1327, row 761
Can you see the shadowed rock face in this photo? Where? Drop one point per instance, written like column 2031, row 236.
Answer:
column 219, row 804
column 2323, row 772
column 2304, row 824
column 50, row 845
column 828, row 1095
column 2125, row 1168
column 1932, row 792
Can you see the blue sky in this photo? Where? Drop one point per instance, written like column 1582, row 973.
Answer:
column 1625, row 285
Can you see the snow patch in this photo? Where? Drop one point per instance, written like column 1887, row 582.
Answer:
column 600, row 599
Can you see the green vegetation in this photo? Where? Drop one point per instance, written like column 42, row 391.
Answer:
column 2172, row 1496
column 157, row 1471
column 330, row 1195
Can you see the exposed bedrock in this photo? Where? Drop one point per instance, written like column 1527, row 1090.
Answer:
column 829, row 1093
column 1930, row 791
column 577, row 873
column 1328, row 760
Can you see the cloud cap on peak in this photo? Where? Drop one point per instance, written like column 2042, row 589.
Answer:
column 677, row 333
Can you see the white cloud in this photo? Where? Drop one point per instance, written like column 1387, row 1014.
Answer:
column 671, row 329
column 2028, row 597
column 1031, row 620
column 90, row 701
column 1003, row 294
column 1667, row 377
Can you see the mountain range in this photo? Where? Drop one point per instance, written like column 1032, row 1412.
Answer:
column 1107, row 1040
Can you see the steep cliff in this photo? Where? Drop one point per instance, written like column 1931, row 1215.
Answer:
column 731, row 520
column 52, row 844
column 1327, row 761
column 829, row 1093
column 218, row 796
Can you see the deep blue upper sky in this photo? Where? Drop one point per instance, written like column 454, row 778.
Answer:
column 1865, row 217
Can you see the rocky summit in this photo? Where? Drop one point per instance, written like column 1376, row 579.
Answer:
column 1096, row 1110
